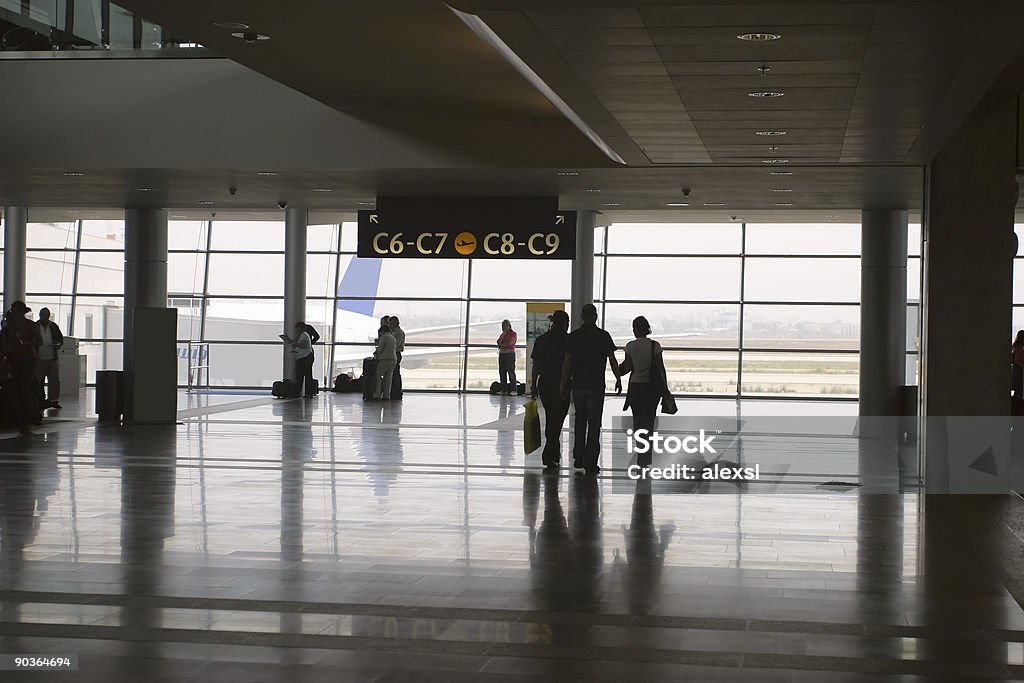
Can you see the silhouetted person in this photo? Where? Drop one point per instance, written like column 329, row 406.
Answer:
column 48, row 362
column 302, row 348
column 507, row 359
column 587, row 351
column 548, row 356
column 19, row 346
column 387, row 355
column 399, row 334
column 1018, row 366
column 646, row 368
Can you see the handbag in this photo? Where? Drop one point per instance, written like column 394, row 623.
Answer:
column 668, row 401
column 531, row 427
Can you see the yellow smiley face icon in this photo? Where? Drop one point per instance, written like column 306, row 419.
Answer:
column 465, row 243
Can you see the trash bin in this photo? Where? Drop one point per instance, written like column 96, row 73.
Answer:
column 109, row 395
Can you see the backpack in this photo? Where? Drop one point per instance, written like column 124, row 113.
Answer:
column 314, row 336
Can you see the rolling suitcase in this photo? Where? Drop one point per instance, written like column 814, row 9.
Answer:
column 369, row 378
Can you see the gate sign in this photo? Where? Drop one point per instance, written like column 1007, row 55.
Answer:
column 467, row 234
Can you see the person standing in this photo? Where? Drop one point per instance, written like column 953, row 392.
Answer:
column 386, row 356
column 19, row 345
column 399, row 334
column 587, row 351
column 646, row 368
column 47, row 362
column 302, row 347
column 507, row 359
column 548, row 356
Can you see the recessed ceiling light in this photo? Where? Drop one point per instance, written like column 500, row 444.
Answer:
column 610, row 204
column 781, row 189
column 783, row 203
column 592, row 189
column 322, row 189
column 831, row 215
column 143, row 189
column 773, row 148
column 250, row 36
column 774, row 161
column 714, row 203
column 780, row 172
column 266, row 173
column 178, row 217
column 769, row 132
column 231, row 25
column 367, row 203
column 568, row 173
column 205, row 203
column 73, row 174
column 765, row 93
column 677, row 204
column 759, row 37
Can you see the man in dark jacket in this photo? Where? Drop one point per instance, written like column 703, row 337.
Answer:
column 19, row 344
column 47, row 360
column 548, row 356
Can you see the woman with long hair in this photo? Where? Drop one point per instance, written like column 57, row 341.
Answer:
column 647, row 379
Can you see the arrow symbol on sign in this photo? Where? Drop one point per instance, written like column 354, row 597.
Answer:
column 559, row 219
column 373, row 218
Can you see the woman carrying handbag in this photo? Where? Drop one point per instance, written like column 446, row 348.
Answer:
column 648, row 381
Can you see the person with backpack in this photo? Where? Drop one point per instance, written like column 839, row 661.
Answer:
column 302, row 349
column 19, row 347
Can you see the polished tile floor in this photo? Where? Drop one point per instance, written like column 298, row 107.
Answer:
column 263, row 540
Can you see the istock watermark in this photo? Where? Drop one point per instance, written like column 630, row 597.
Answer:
column 645, row 441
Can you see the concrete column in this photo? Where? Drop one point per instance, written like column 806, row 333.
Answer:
column 883, row 311
column 971, row 192
column 150, row 364
column 15, row 240
column 145, row 258
column 296, row 222
column 583, row 265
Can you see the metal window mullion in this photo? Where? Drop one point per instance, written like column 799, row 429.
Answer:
column 202, row 301
column 742, row 321
column 334, row 312
column 464, row 380
column 74, row 278
column 604, row 276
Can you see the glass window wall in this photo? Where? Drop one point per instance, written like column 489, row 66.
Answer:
column 761, row 310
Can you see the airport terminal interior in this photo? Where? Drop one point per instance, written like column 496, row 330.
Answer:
column 815, row 205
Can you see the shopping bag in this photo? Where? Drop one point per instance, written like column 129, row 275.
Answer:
column 531, row 427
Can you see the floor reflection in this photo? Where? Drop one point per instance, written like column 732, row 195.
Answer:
column 385, row 547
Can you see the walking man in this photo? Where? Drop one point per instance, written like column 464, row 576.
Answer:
column 587, row 351
column 548, row 356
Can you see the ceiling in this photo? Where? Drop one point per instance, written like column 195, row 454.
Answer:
column 871, row 91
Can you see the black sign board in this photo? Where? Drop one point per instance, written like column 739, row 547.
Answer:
column 476, row 228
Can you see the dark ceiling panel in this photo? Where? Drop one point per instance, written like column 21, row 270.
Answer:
column 664, row 81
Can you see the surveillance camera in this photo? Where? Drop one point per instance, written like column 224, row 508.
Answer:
column 686, row 192
column 283, row 203
column 250, row 36
column 232, row 191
